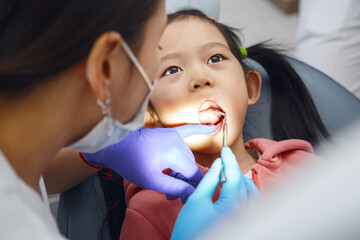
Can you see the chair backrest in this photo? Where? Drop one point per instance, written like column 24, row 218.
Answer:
column 336, row 105
column 82, row 209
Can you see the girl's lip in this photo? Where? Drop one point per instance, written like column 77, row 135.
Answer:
column 209, row 104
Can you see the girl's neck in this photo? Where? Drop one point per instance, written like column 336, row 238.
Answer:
column 244, row 159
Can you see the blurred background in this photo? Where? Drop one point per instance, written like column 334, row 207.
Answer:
column 258, row 20
column 261, row 20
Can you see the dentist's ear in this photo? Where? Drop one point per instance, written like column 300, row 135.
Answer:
column 253, row 84
column 100, row 66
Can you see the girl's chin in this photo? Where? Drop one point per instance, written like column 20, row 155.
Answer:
column 210, row 150
column 205, row 146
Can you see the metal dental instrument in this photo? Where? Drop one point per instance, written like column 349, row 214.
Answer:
column 225, row 132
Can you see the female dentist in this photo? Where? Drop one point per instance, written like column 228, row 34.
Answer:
column 68, row 77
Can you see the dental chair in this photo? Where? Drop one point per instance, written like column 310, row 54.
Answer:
column 336, row 105
column 82, row 209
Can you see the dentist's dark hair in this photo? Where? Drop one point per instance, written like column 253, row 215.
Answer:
column 293, row 112
column 42, row 38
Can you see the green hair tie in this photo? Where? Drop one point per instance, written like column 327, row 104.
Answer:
column 244, row 52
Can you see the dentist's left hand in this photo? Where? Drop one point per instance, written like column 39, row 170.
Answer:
column 144, row 153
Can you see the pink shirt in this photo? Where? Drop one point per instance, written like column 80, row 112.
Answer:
column 149, row 215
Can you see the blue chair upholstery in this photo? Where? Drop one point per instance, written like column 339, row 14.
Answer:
column 82, row 209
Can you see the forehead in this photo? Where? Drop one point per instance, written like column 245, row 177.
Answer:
column 190, row 32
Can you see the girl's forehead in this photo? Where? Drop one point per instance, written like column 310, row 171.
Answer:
column 190, row 31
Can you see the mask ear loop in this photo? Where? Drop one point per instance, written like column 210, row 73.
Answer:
column 137, row 64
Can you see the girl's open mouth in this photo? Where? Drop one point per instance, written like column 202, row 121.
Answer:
column 208, row 115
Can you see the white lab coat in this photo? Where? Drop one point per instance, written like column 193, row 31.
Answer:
column 23, row 213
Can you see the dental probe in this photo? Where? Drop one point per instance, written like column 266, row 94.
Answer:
column 225, row 131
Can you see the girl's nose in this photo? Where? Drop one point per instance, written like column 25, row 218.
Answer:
column 200, row 83
column 200, row 78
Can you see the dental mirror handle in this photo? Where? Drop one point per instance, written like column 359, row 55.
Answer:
column 222, row 175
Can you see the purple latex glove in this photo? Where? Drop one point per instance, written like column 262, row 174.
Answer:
column 143, row 154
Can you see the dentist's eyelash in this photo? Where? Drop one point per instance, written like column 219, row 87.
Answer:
column 171, row 70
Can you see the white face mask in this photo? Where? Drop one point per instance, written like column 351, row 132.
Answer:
column 99, row 137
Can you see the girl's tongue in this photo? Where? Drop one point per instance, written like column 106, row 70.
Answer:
column 208, row 117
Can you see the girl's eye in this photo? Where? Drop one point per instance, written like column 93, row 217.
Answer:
column 216, row 58
column 171, row 70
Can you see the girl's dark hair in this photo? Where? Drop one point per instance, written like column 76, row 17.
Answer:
column 293, row 112
column 41, row 38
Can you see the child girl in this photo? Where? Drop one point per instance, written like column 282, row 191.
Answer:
column 202, row 70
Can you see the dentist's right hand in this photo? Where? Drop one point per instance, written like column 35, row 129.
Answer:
column 144, row 153
column 199, row 210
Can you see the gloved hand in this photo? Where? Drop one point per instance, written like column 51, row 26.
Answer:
column 143, row 154
column 199, row 211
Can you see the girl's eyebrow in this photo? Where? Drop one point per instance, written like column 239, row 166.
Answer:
column 213, row 44
column 170, row 56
